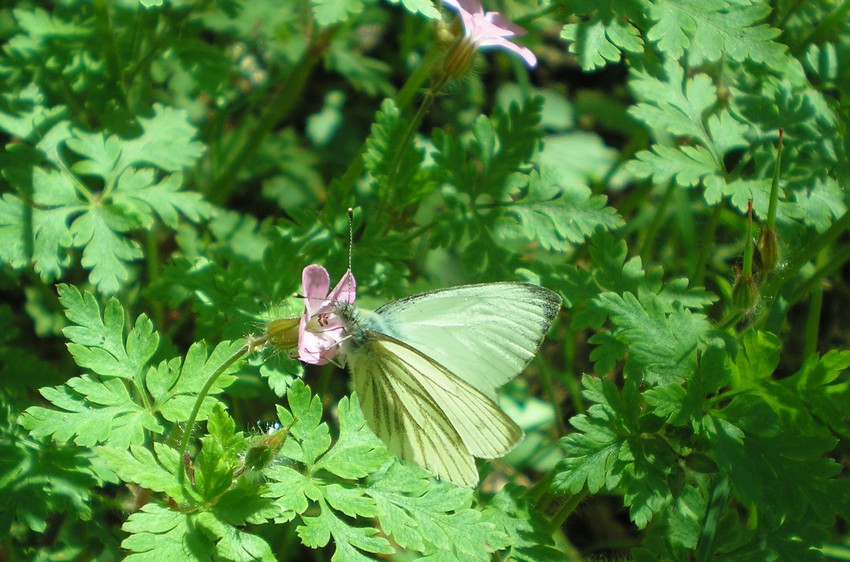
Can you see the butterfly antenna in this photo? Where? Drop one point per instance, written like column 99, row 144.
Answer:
column 350, row 242
column 350, row 235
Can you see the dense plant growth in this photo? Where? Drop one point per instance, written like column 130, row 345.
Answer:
column 674, row 170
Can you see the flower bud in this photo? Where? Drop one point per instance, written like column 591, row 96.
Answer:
column 459, row 59
column 282, row 334
column 745, row 294
column 263, row 452
column 768, row 247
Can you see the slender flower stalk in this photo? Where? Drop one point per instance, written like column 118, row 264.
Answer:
column 768, row 244
column 745, row 293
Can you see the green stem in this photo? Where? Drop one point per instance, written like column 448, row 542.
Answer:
column 698, row 278
column 152, row 263
column 827, row 26
column 566, row 510
column 729, row 320
column 405, row 96
column 546, row 377
column 554, row 9
column 813, row 322
column 748, row 243
column 202, row 395
column 658, row 220
column 412, row 128
column 814, row 312
column 835, row 262
column 402, row 100
column 104, row 30
column 277, row 108
column 716, row 509
column 774, row 186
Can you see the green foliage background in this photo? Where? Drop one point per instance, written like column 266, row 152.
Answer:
column 170, row 167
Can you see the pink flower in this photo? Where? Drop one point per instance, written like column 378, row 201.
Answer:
column 321, row 331
column 490, row 29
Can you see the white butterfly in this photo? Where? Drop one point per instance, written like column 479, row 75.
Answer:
column 426, row 369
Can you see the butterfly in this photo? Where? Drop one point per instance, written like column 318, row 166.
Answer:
column 426, row 369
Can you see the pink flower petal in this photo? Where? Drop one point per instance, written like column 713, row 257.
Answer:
column 524, row 52
column 315, row 283
column 345, row 290
column 468, row 6
column 501, row 22
column 320, row 330
column 490, row 29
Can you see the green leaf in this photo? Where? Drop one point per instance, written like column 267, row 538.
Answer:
column 754, row 447
column 357, row 452
column 823, row 384
column 663, row 343
column 330, row 12
column 157, row 473
column 608, row 32
column 821, row 204
column 390, row 155
column 757, row 357
column 291, row 490
column 167, row 141
column 350, row 542
column 106, row 249
column 675, row 104
column 687, row 166
column 232, row 543
column 499, row 147
column 97, row 342
column 175, row 387
column 39, row 232
column 681, row 402
column 30, row 114
column 90, row 412
column 222, row 450
column 529, row 533
column 608, row 452
column 138, row 194
column 424, row 7
column 158, row 533
column 308, row 429
column 57, row 210
column 592, row 453
column 709, row 30
column 435, row 519
column 40, row 481
column 559, row 216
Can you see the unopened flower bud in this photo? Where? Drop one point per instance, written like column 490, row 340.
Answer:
column 282, row 334
column 460, row 58
column 745, row 294
column 263, row 452
column 768, row 247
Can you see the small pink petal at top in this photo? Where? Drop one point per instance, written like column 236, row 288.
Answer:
column 490, row 29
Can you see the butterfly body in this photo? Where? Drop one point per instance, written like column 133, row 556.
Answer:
column 426, row 369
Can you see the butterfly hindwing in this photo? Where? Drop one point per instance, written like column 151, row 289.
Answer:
column 425, row 414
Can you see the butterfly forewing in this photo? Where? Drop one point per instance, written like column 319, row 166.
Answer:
column 485, row 334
